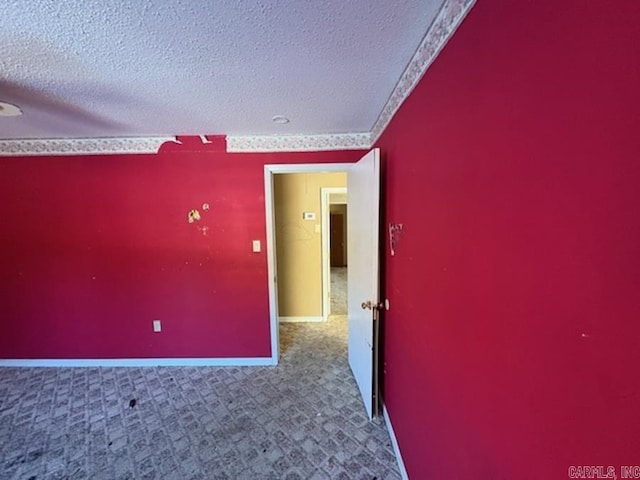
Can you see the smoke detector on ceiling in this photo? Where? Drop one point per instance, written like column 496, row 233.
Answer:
column 9, row 110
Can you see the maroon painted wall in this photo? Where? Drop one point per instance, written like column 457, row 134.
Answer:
column 93, row 248
column 512, row 344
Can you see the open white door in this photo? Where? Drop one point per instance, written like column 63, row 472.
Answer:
column 363, row 194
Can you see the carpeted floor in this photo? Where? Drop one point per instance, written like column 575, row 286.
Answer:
column 338, row 290
column 301, row 420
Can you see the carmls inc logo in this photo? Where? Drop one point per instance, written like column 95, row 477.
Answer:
column 602, row 471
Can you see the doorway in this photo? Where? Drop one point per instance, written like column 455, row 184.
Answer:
column 306, row 226
column 363, row 246
column 334, row 248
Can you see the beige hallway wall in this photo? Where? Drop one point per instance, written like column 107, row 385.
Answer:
column 299, row 241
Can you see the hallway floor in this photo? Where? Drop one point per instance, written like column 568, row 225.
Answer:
column 338, row 290
column 300, row 420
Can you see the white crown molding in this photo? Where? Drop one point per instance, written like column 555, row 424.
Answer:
column 298, row 143
column 441, row 30
column 82, row 146
column 107, row 146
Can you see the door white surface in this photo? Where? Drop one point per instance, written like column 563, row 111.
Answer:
column 363, row 194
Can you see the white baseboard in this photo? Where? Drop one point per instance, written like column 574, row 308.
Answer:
column 394, row 442
column 139, row 362
column 300, row 319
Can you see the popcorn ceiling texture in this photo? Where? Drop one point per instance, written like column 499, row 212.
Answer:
column 88, row 68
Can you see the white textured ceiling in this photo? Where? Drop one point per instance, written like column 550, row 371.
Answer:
column 116, row 68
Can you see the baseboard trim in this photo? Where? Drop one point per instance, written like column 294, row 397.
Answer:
column 139, row 362
column 300, row 319
column 394, row 442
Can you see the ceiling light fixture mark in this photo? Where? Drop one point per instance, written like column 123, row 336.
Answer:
column 9, row 110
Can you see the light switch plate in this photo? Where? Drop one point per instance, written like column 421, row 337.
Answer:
column 157, row 326
column 256, row 245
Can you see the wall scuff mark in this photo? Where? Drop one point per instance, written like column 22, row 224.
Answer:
column 395, row 232
column 194, row 216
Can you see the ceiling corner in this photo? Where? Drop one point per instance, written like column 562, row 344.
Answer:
column 450, row 16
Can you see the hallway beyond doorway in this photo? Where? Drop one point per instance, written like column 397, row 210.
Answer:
column 338, row 291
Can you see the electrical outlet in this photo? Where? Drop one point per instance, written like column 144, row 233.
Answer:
column 157, row 326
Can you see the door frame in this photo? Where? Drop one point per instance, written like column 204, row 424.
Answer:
column 325, row 202
column 269, row 172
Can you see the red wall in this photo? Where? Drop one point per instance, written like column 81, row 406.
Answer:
column 93, row 248
column 512, row 344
